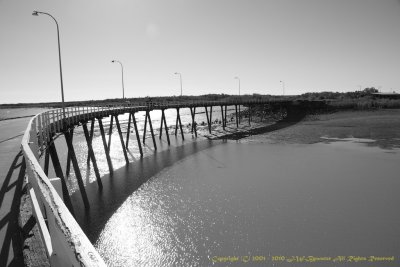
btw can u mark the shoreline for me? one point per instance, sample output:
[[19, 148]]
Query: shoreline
[[382, 126]]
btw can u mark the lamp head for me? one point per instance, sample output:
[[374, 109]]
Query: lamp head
[[176, 72], [112, 61], [35, 13]]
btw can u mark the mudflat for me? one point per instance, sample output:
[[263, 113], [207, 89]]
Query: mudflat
[[382, 126]]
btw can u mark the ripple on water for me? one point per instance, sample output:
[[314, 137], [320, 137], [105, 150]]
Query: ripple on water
[[242, 199], [149, 227]]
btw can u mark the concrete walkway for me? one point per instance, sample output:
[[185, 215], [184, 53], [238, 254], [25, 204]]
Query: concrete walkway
[[12, 171]]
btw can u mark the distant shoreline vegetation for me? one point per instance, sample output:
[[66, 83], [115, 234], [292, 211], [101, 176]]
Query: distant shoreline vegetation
[[369, 98]]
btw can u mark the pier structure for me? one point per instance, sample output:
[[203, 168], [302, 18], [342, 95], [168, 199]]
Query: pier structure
[[64, 241]]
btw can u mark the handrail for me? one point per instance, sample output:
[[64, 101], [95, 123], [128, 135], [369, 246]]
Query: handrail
[[65, 242]]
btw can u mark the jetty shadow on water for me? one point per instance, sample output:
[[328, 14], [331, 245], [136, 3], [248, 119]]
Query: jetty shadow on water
[[125, 181]]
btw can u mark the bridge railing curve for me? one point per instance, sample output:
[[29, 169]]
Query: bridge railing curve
[[64, 241]]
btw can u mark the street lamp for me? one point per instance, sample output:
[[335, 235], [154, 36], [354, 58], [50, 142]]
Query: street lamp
[[283, 87], [239, 83], [180, 76], [36, 13], [122, 70]]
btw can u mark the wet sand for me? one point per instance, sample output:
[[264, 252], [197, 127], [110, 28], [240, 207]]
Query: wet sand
[[383, 126]]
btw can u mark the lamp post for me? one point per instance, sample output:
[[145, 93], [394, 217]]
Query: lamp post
[[239, 83], [122, 70], [283, 87], [180, 76], [36, 13]]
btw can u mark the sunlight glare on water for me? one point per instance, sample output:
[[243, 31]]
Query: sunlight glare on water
[[253, 199], [145, 227]]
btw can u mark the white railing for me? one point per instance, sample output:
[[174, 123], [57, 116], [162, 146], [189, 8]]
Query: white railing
[[65, 242]]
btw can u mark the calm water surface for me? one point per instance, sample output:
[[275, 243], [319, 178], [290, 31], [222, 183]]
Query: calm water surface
[[195, 204], [252, 199]]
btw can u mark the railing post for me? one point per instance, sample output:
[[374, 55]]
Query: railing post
[[40, 131], [33, 140], [54, 121]]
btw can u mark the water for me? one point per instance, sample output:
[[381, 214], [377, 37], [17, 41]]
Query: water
[[250, 199], [247, 203]]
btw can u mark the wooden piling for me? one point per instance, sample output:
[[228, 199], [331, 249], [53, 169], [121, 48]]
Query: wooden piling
[[145, 128], [75, 165], [122, 139], [193, 113], [128, 131], [180, 123], [208, 120], [237, 117], [211, 113], [166, 128], [92, 156], [226, 107], [68, 168], [60, 174], [249, 114], [162, 121], [110, 133], [151, 130], [103, 137], [176, 123], [137, 134], [222, 117], [240, 115], [91, 139]]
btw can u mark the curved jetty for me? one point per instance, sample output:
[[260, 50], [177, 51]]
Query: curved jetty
[[64, 241]]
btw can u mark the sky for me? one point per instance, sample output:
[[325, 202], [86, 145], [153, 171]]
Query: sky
[[310, 45]]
